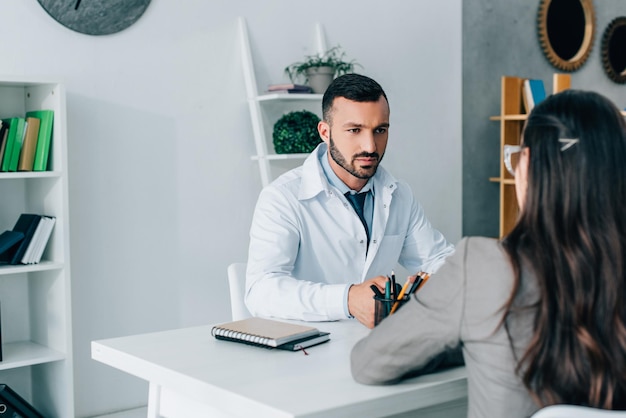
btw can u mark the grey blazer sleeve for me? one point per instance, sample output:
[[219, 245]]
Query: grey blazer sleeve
[[427, 326]]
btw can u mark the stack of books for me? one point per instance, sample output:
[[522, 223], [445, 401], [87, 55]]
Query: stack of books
[[289, 88], [27, 241], [25, 141]]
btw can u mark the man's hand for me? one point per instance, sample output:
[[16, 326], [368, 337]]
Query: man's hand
[[361, 300]]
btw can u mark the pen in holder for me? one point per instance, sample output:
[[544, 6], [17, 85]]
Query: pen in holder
[[383, 307]]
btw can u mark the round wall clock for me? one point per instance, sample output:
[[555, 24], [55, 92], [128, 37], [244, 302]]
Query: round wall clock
[[95, 17]]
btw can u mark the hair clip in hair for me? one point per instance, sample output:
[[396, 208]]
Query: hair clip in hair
[[568, 142]]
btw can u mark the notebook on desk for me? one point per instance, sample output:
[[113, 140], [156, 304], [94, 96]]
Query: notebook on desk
[[270, 333]]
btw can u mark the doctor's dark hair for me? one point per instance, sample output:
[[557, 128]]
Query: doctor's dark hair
[[571, 238], [355, 87]]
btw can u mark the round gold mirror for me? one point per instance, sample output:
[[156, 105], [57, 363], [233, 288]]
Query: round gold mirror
[[566, 30], [613, 51]]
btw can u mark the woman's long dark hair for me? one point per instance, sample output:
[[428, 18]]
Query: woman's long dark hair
[[571, 238]]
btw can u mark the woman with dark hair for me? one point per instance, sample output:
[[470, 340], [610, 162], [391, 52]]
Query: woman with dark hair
[[540, 316]]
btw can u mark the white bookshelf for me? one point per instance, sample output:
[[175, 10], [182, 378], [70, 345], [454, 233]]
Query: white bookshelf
[[35, 300], [267, 108]]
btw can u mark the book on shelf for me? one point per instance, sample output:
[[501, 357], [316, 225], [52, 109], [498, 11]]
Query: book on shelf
[[37, 245], [13, 405], [9, 239], [43, 242], [46, 118], [33, 241], [27, 155], [14, 143], [270, 333], [7, 146], [289, 88], [533, 92], [26, 224], [3, 139], [290, 92]]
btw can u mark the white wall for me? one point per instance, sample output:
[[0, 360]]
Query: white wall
[[162, 188]]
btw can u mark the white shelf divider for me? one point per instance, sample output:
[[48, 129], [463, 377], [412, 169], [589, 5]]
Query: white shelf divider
[[255, 108], [27, 353]]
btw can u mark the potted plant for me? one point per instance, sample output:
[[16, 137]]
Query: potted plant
[[296, 132], [320, 70]]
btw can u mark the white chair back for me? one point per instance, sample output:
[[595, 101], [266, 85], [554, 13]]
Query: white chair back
[[573, 411], [237, 286]]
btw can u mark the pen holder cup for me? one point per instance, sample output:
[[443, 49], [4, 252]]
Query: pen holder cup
[[383, 307]]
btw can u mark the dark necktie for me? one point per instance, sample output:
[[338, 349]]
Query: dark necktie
[[358, 202]]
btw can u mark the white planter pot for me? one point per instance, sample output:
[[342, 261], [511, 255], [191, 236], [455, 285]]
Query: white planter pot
[[320, 78]]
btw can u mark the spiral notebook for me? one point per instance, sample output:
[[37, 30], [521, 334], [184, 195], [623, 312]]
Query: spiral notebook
[[270, 333]]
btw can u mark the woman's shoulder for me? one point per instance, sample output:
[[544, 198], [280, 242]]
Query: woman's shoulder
[[485, 262], [480, 246]]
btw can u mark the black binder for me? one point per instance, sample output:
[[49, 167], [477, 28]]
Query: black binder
[[14, 406], [26, 224], [10, 239]]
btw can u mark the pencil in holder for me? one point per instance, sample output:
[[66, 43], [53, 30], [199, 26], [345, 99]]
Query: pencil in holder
[[383, 307]]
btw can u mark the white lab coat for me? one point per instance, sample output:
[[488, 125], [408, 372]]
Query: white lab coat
[[307, 244]]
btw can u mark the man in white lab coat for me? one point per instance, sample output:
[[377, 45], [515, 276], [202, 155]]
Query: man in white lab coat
[[313, 254]]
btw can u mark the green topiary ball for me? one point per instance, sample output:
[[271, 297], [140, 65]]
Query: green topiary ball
[[296, 132]]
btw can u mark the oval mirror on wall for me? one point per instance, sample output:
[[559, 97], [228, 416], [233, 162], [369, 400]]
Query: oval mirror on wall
[[614, 50], [566, 30]]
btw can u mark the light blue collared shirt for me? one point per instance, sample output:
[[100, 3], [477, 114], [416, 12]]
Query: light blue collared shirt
[[368, 207]]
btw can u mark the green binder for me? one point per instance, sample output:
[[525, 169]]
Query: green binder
[[14, 143], [8, 146], [45, 137]]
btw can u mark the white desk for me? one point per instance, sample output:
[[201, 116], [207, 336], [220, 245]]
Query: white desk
[[192, 374]]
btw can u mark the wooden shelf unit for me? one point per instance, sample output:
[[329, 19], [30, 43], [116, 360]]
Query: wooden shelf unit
[[512, 118]]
